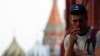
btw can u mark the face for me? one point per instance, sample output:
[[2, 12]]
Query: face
[[79, 22]]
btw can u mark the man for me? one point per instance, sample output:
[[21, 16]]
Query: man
[[75, 43]]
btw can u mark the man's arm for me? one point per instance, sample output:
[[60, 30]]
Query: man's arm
[[69, 50]]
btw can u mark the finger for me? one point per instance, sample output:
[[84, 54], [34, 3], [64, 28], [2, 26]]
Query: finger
[[73, 34], [74, 38], [74, 31]]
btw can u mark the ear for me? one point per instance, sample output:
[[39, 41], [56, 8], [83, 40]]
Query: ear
[[85, 2]]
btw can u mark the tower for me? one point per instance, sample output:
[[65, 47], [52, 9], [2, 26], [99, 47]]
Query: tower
[[14, 50], [55, 30]]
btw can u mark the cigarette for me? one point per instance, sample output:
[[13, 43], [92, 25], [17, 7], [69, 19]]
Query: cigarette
[[78, 28]]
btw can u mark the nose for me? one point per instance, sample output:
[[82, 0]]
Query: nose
[[77, 23]]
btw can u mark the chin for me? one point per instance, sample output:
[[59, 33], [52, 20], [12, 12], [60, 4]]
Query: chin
[[78, 32]]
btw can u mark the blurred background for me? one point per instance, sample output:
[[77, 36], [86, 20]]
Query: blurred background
[[30, 27]]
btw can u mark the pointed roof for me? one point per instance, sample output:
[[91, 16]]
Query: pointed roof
[[54, 20], [14, 50]]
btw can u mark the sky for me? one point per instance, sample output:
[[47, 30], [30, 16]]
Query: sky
[[25, 20]]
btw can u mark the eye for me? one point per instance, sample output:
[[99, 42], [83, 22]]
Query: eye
[[74, 20], [81, 19]]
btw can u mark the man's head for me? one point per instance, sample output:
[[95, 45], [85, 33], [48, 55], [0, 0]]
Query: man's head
[[79, 17]]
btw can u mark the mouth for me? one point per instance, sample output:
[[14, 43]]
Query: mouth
[[78, 28]]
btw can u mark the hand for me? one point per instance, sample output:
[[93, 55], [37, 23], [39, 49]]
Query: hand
[[73, 37], [72, 40]]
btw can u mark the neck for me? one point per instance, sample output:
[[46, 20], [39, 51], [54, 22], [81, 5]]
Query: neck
[[84, 31]]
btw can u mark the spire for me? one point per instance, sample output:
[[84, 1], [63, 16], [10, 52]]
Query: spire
[[14, 50], [54, 20], [14, 28], [54, 17], [14, 34], [54, 30], [54, 1]]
